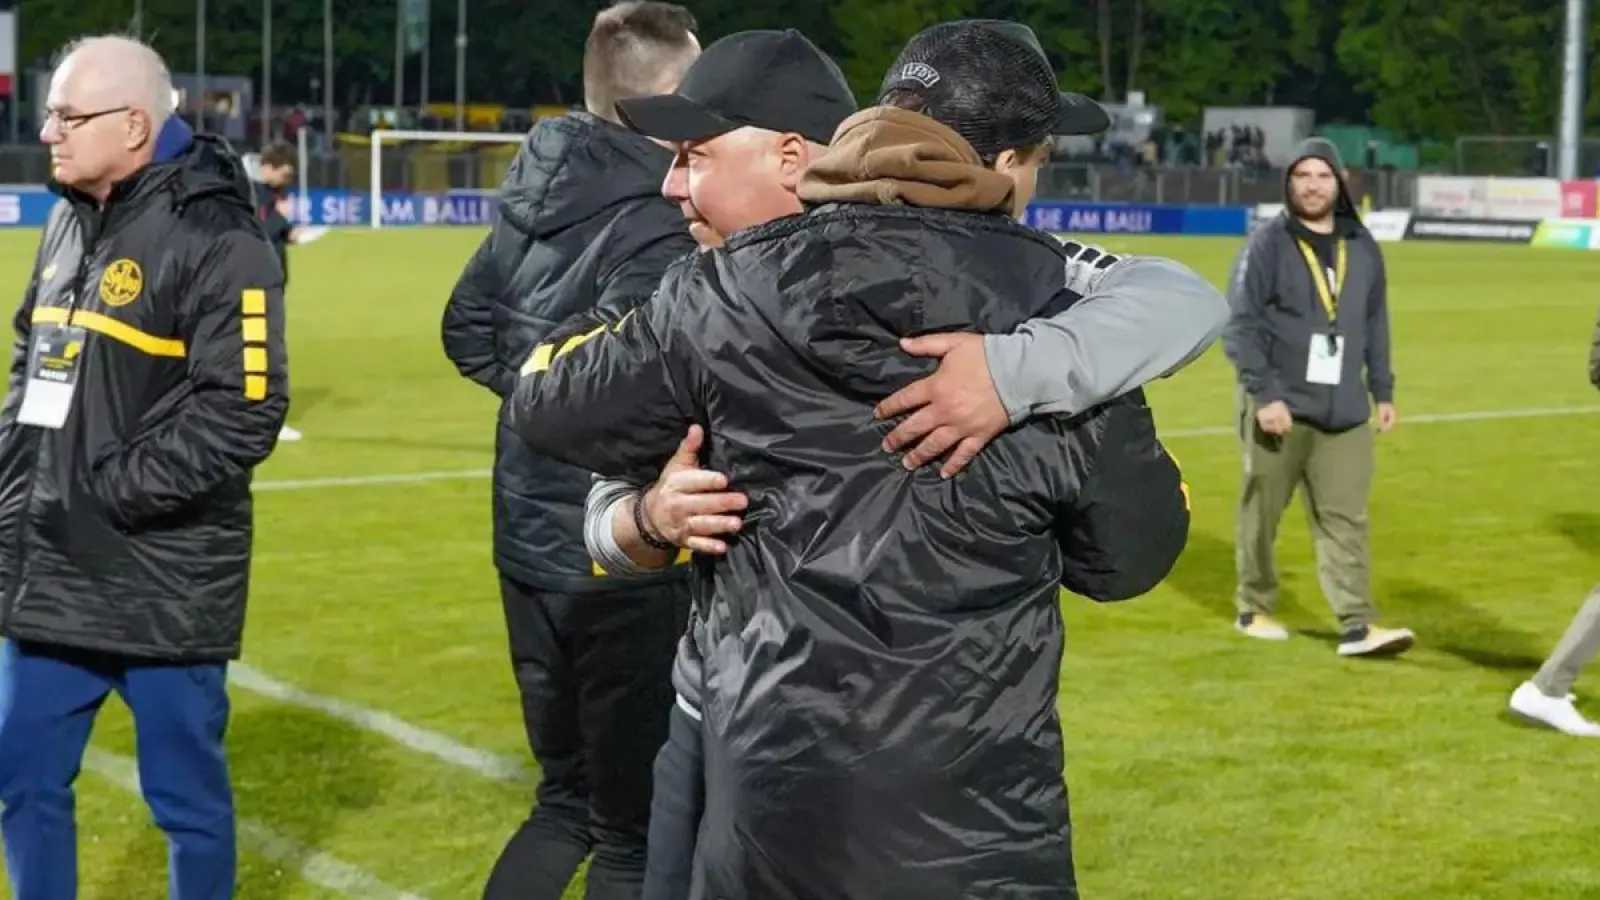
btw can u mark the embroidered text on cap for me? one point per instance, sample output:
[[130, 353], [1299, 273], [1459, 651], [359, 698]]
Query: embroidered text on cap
[[922, 73]]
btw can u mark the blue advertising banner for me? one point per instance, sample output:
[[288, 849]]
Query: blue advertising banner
[[336, 208], [25, 207], [1132, 218], [28, 207]]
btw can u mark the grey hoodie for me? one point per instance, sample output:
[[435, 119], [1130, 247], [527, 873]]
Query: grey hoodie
[[1276, 313]]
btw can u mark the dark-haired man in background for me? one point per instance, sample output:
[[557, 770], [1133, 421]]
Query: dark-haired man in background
[[582, 225], [275, 165]]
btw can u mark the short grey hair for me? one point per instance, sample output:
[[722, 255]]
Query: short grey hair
[[138, 71]]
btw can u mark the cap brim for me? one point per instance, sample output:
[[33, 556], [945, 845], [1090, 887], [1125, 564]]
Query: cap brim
[[669, 117], [1080, 115]]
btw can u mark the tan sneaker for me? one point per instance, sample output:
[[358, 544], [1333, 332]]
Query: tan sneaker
[[1372, 640], [1260, 626]]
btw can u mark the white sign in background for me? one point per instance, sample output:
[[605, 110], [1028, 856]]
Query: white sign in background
[[1511, 199], [1525, 199], [1452, 197]]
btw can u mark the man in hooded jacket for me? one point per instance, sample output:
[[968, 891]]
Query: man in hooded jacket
[[882, 644], [1310, 316], [582, 225], [148, 379]]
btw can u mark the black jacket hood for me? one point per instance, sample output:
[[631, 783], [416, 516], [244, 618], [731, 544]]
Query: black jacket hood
[[210, 168], [1344, 206], [576, 165]]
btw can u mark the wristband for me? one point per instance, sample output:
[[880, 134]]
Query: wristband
[[644, 532]]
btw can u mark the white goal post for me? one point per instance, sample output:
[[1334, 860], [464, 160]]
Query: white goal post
[[394, 137]]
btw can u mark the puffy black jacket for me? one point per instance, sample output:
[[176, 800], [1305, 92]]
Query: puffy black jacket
[[882, 647], [129, 528], [582, 224]]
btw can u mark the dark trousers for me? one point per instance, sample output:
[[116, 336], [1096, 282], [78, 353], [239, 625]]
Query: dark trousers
[[680, 797], [48, 701], [594, 671]]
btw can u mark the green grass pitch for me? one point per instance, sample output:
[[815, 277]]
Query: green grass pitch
[[1201, 764]]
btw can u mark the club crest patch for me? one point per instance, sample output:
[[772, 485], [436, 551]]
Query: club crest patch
[[121, 283]]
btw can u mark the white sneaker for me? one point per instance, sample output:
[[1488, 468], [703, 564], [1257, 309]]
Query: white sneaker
[[289, 434], [1559, 713]]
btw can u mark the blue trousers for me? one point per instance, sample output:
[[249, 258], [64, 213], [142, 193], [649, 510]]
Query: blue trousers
[[49, 697]]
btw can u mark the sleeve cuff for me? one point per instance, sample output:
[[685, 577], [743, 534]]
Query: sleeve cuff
[[607, 497], [1004, 354], [1267, 394]]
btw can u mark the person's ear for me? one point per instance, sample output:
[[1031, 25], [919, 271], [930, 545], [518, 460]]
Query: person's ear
[[139, 131], [793, 158], [1007, 162]]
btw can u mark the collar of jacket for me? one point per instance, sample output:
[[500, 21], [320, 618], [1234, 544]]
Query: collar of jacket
[[885, 155]]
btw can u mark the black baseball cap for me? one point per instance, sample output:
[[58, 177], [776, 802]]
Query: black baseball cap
[[775, 80], [990, 80]]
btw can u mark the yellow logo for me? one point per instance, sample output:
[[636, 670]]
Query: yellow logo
[[121, 283]]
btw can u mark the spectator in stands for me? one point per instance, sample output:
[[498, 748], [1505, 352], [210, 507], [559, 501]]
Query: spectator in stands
[[582, 226], [1547, 697], [125, 516], [941, 665], [1310, 314]]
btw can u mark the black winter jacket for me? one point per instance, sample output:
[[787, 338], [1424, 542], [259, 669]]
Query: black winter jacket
[[128, 529], [881, 646], [582, 224]]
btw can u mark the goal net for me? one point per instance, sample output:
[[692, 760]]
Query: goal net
[[441, 145]]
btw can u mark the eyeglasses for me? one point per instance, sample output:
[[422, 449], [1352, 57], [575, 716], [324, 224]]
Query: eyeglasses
[[67, 124]]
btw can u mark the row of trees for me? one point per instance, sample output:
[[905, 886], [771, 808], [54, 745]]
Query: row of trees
[[1424, 68]]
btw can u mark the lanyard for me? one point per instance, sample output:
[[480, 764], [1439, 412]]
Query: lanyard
[[1328, 292]]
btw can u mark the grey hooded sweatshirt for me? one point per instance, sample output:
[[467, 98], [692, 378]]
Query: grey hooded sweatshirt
[[1276, 311]]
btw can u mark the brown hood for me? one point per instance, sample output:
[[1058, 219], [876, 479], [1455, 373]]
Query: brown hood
[[885, 155]]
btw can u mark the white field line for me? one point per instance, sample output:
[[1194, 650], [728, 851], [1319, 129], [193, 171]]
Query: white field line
[[315, 867], [1484, 415], [412, 737]]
